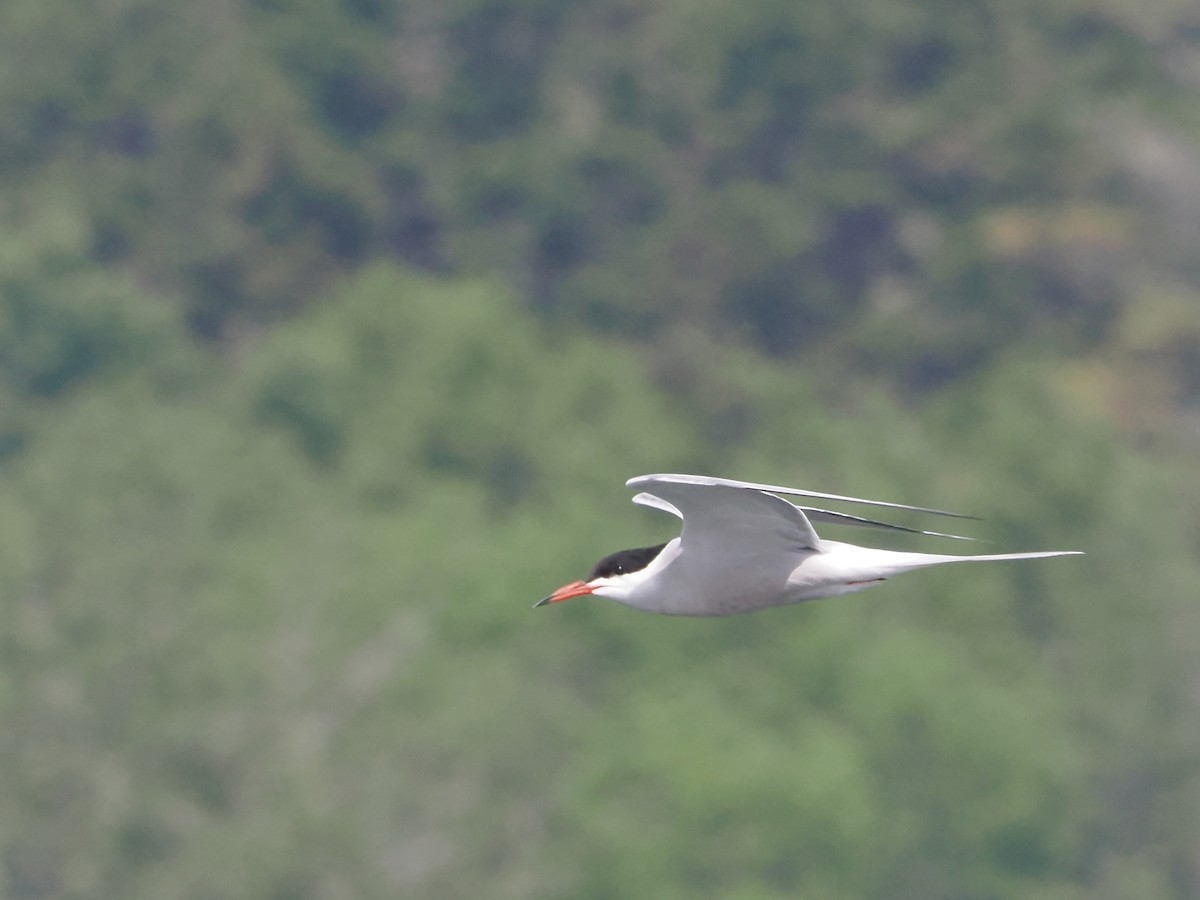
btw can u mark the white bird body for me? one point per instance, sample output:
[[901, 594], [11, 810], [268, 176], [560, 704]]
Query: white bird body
[[743, 548]]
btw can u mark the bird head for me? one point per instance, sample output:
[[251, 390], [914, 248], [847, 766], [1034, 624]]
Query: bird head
[[613, 577]]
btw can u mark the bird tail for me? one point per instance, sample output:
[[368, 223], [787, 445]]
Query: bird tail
[[906, 562]]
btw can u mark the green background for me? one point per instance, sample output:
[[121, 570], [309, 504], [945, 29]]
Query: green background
[[331, 329]]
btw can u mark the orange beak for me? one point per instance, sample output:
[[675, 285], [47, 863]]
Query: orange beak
[[566, 592]]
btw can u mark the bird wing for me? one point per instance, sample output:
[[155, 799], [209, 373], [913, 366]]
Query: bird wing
[[737, 551], [828, 517], [654, 483], [646, 499], [813, 514], [726, 518]]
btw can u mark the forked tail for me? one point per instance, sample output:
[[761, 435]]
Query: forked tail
[[905, 562]]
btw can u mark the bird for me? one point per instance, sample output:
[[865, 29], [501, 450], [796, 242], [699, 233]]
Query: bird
[[745, 548]]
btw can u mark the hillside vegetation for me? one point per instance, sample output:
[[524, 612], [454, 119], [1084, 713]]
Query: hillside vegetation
[[331, 329]]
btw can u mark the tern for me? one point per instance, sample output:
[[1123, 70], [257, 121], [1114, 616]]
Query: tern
[[744, 548]]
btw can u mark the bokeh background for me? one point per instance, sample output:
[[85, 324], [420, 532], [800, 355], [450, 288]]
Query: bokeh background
[[331, 329]]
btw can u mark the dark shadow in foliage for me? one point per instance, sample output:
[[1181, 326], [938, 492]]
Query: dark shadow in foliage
[[217, 292], [440, 454], [510, 476], [777, 306], [288, 203], [623, 98], [411, 226], [855, 248], [1184, 357], [501, 49], [13, 441], [1022, 847], [32, 869], [770, 66], [143, 841], [110, 240], [771, 146], [561, 244], [492, 200], [936, 364], [131, 134], [355, 104], [922, 64], [936, 183], [196, 773], [379, 13], [620, 190], [1081, 302], [48, 346], [344, 224], [301, 402], [787, 303], [1120, 57], [36, 134], [214, 139]]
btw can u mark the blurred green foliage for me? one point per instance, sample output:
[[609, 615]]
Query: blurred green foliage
[[330, 329]]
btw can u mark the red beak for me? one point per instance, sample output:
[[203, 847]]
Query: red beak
[[566, 592]]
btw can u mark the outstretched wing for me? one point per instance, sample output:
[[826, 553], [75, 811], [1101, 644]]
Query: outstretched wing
[[654, 483], [723, 519], [821, 516], [737, 550]]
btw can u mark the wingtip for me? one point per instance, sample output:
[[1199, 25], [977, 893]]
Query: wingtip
[[638, 480]]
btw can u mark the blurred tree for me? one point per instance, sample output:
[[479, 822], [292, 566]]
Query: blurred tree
[[789, 174], [266, 618], [258, 630]]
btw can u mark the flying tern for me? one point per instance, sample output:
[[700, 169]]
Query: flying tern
[[745, 548]]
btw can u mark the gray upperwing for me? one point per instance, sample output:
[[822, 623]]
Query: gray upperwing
[[650, 483], [725, 519]]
